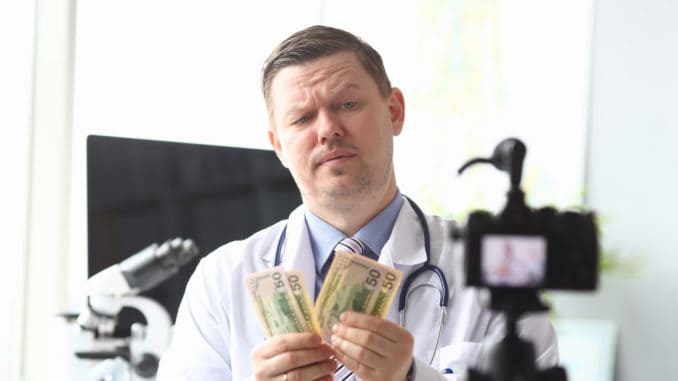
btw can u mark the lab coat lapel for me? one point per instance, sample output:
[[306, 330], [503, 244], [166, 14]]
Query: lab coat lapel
[[297, 252], [405, 246]]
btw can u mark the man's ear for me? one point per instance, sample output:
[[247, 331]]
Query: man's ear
[[275, 143], [396, 108]]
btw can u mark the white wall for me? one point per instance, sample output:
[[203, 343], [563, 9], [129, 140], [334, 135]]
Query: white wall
[[48, 203], [633, 181], [17, 27]]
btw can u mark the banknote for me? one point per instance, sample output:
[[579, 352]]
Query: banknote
[[355, 283], [297, 284], [275, 302]]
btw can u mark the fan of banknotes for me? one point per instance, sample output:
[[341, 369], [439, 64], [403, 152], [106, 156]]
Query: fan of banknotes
[[353, 283]]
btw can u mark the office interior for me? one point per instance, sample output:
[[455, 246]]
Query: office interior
[[589, 85]]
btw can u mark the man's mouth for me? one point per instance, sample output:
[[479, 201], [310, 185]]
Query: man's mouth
[[334, 157]]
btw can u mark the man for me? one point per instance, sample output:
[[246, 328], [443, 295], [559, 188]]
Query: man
[[333, 117]]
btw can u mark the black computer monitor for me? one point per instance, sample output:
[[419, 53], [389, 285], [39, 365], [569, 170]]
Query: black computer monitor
[[145, 191]]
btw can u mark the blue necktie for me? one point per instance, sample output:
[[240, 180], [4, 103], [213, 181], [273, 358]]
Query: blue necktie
[[350, 245]]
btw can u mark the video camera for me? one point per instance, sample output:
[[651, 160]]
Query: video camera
[[520, 251]]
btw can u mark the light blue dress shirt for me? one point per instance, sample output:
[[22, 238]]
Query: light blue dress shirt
[[324, 237]]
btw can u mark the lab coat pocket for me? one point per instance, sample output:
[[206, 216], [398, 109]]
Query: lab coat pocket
[[459, 356]]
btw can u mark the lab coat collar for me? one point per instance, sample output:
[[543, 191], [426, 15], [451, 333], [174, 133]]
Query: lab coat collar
[[405, 246], [296, 251]]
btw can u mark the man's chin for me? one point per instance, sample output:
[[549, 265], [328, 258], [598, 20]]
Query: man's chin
[[336, 194]]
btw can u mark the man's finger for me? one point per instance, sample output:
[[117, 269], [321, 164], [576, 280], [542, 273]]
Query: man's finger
[[386, 328], [357, 352], [354, 365], [287, 342], [365, 338], [282, 363], [314, 371]]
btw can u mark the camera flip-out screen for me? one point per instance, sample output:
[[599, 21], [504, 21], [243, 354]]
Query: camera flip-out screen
[[513, 260]]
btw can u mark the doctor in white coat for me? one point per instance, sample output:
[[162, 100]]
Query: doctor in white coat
[[333, 117]]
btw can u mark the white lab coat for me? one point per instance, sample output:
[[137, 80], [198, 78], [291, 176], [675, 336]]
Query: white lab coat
[[217, 326]]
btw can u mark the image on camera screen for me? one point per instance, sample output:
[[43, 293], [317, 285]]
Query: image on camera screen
[[513, 260]]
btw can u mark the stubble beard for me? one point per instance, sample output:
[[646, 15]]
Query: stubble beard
[[354, 194], [364, 189]]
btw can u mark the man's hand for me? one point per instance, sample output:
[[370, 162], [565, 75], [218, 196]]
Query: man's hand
[[293, 357], [375, 349]]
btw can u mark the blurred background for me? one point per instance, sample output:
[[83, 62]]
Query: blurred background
[[590, 86]]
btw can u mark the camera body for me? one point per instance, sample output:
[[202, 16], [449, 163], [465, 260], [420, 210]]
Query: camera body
[[518, 252], [526, 249], [532, 249]]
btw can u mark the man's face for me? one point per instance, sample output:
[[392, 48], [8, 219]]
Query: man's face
[[334, 130]]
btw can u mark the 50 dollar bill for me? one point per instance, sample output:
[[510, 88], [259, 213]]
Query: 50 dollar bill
[[355, 283], [275, 302], [297, 284]]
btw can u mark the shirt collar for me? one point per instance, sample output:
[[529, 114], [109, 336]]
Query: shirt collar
[[374, 234]]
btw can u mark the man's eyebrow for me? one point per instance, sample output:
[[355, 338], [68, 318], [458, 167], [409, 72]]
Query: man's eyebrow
[[299, 108], [294, 111], [348, 86]]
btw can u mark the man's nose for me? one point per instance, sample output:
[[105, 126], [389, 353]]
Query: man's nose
[[329, 126]]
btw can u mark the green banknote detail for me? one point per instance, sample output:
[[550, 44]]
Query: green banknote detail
[[280, 315], [379, 304], [275, 303], [295, 279], [351, 282]]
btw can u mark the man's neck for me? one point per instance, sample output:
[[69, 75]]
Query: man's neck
[[349, 217]]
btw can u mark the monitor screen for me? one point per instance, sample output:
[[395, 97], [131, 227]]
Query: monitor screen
[[141, 192]]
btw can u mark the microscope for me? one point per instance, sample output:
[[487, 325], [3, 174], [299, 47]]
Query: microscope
[[118, 287]]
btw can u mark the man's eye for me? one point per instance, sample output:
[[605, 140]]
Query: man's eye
[[348, 105], [303, 119]]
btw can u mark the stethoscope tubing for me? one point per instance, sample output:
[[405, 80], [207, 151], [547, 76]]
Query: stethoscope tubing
[[402, 301], [426, 266]]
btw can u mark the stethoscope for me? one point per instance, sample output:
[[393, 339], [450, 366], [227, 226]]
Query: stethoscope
[[405, 291]]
